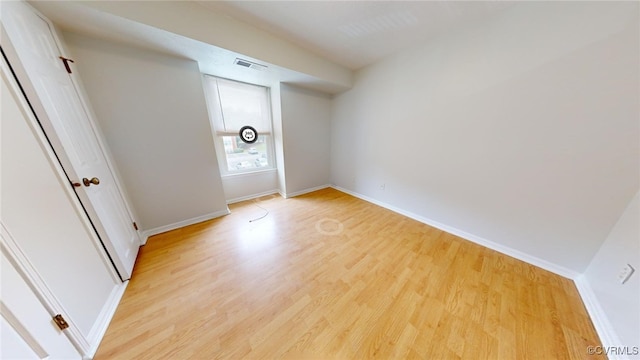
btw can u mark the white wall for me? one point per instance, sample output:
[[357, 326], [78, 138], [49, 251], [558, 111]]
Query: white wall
[[522, 131], [619, 303], [152, 112], [241, 187], [278, 136], [306, 121]]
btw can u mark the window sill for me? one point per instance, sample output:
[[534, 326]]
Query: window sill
[[248, 173]]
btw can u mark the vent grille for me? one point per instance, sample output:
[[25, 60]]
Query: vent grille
[[249, 64]]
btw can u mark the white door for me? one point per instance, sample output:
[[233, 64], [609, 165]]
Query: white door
[[27, 328], [44, 230], [81, 155]]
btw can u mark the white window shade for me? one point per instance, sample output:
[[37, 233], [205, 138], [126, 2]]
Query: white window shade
[[233, 105]]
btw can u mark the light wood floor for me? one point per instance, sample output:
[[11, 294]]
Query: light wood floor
[[329, 276]]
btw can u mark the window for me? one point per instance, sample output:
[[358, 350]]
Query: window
[[233, 105]]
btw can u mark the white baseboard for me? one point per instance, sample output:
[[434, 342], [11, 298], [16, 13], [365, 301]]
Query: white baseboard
[[605, 330], [305, 191], [104, 319], [276, 191], [147, 233], [252, 196], [554, 268]]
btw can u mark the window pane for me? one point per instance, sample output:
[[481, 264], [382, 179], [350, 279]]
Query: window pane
[[246, 157], [231, 106]]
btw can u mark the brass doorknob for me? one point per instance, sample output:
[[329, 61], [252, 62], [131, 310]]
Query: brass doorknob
[[94, 181]]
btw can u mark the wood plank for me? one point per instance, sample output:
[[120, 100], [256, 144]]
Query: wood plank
[[384, 287]]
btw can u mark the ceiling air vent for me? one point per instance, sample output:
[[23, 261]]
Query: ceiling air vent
[[249, 64]]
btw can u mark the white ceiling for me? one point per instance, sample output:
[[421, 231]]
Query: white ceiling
[[352, 34], [357, 33]]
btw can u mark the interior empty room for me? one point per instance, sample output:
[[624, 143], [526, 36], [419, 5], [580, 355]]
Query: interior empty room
[[320, 180]]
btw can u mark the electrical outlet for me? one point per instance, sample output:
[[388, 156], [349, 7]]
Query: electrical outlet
[[626, 273], [383, 186]]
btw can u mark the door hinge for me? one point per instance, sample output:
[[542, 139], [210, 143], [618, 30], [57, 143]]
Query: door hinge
[[61, 322], [135, 226], [66, 62]]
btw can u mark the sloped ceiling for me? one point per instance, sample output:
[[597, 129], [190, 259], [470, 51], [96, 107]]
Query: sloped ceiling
[[188, 30]]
